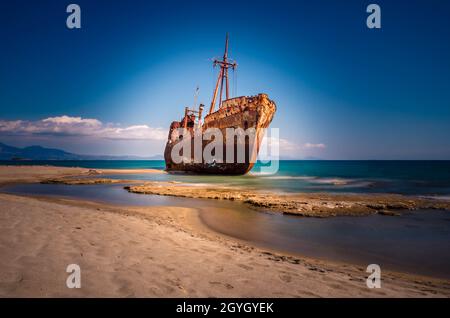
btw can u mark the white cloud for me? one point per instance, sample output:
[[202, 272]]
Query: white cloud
[[282, 144], [77, 126], [272, 148], [317, 146], [72, 120], [287, 148]]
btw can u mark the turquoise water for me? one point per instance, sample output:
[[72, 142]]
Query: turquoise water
[[405, 177]]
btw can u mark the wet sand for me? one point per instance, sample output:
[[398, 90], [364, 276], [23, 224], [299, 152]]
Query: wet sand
[[159, 252], [26, 174]]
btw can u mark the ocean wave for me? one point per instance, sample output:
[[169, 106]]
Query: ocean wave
[[316, 182], [362, 184], [333, 181], [313, 179], [260, 174], [437, 197], [290, 178]]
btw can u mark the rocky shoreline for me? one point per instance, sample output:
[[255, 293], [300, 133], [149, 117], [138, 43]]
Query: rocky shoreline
[[301, 204]]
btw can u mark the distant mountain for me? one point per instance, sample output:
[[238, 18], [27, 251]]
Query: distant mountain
[[41, 153], [155, 157], [34, 153], [312, 158], [287, 157]]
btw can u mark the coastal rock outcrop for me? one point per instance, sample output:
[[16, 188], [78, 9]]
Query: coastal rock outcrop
[[301, 204]]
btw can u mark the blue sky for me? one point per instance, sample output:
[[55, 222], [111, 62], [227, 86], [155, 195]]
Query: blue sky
[[343, 91]]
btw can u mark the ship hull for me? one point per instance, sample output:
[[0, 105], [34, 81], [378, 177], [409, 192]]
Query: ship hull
[[230, 169], [248, 113]]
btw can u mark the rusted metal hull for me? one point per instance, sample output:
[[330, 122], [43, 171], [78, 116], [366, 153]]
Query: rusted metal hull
[[230, 169], [254, 112]]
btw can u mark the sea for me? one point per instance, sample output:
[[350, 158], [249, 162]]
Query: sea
[[426, 178]]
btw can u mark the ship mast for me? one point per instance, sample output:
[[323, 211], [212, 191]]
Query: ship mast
[[224, 64]]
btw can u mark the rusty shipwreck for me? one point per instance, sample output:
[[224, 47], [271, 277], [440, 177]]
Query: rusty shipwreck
[[247, 113]]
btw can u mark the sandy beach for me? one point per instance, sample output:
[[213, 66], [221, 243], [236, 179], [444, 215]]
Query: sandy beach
[[157, 252]]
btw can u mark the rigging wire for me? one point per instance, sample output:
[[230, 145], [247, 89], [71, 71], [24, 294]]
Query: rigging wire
[[212, 78], [235, 82]]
